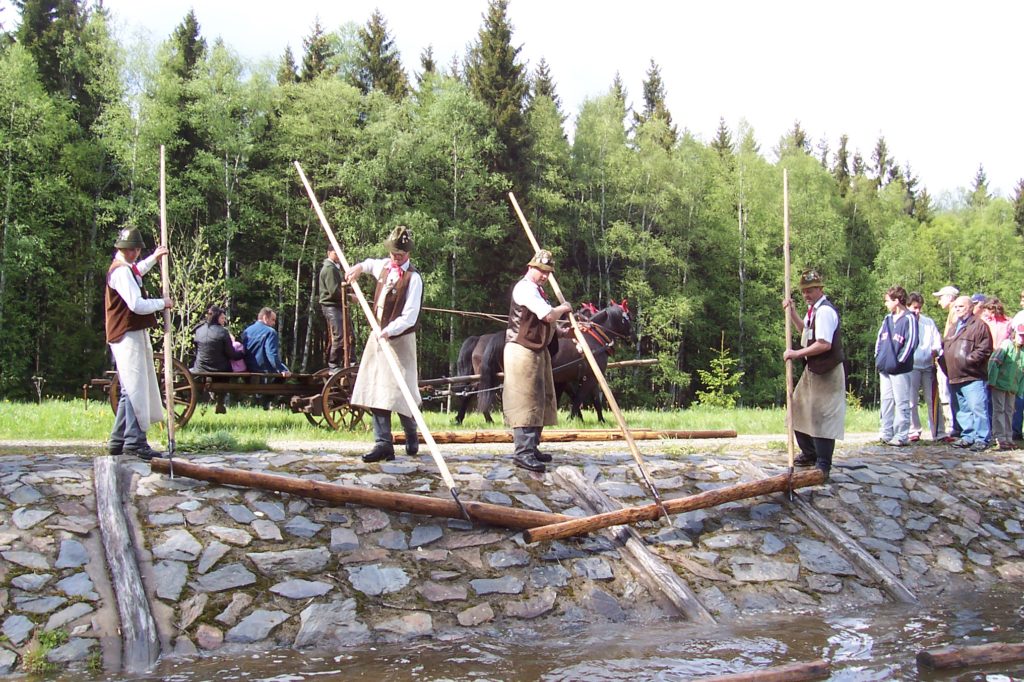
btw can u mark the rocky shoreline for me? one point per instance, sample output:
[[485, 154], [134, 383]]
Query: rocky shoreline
[[230, 571]]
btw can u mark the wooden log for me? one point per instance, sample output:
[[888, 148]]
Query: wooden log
[[140, 640], [492, 514], [710, 498], [967, 656], [793, 672], [650, 569], [847, 546], [568, 435]]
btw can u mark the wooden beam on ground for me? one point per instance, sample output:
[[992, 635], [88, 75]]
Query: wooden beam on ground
[[968, 656], [659, 578], [793, 672], [568, 435], [139, 638], [492, 514], [847, 546], [710, 498]]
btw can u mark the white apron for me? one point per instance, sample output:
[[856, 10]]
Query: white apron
[[136, 374], [819, 403], [528, 398], [375, 383]]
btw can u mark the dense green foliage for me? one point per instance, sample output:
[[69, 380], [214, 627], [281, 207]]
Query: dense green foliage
[[633, 206]]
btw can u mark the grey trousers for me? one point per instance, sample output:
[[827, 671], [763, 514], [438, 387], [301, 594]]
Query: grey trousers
[[382, 429], [126, 432], [526, 440]]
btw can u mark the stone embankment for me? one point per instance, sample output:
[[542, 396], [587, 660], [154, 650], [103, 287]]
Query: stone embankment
[[229, 571]]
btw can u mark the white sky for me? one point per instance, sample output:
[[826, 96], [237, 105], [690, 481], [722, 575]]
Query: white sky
[[935, 78]]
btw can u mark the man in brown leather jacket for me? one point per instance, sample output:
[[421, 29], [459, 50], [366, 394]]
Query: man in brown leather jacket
[[965, 352]]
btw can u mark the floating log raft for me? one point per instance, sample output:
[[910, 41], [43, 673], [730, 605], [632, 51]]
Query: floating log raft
[[568, 435], [482, 512], [793, 672], [710, 498], [967, 656]]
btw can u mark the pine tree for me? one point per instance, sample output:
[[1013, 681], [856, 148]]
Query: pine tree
[[619, 90], [378, 65], [1018, 206], [923, 209], [655, 107], [286, 70], [882, 164], [979, 196], [841, 168], [858, 164], [498, 79], [427, 64], [317, 54], [189, 47], [723, 139], [47, 26], [910, 182], [543, 84], [797, 139]]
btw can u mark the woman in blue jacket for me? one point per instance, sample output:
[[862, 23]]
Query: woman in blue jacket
[[894, 359]]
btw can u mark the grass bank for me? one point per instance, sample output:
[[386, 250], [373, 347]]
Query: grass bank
[[250, 428]]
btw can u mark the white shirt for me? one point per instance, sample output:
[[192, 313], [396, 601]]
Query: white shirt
[[526, 293], [929, 342], [825, 321], [124, 282], [414, 294]]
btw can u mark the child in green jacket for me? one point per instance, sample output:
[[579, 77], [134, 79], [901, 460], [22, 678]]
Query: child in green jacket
[[1006, 379]]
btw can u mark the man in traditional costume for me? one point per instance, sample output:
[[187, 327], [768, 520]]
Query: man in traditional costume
[[819, 400], [528, 398], [396, 305], [129, 315]]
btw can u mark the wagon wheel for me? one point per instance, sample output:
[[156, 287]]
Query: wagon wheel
[[185, 394], [318, 419], [335, 397]]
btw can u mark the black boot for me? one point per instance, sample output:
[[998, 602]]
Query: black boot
[[382, 452], [528, 462], [412, 444], [805, 460], [541, 456]]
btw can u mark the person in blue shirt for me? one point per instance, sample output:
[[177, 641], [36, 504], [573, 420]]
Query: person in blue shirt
[[262, 345]]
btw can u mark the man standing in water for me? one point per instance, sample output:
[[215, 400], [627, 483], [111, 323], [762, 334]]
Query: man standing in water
[[129, 315], [528, 398], [819, 400]]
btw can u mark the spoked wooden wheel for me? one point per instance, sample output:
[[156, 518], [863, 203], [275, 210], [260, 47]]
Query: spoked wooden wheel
[[337, 410], [185, 394], [315, 416]]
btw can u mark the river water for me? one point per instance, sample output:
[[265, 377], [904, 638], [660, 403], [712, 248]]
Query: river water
[[876, 644]]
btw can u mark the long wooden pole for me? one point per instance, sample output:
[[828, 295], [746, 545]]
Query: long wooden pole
[[165, 271], [598, 374], [569, 435], [792, 672], [790, 448], [386, 349], [336, 493], [710, 498]]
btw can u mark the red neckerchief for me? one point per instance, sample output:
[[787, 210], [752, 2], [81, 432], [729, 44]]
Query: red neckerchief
[[542, 293], [393, 266], [810, 315], [135, 270]]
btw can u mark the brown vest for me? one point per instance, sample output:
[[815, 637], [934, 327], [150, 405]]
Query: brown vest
[[825, 362], [394, 298], [120, 319], [527, 329]]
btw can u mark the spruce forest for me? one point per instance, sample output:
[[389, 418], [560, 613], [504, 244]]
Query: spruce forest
[[633, 204]]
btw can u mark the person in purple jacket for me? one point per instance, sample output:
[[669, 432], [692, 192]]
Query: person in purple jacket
[[894, 359]]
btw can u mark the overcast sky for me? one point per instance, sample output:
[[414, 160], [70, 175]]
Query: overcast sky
[[935, 78]]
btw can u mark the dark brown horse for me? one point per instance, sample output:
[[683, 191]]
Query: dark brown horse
[[484, 354], [573, 374]]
